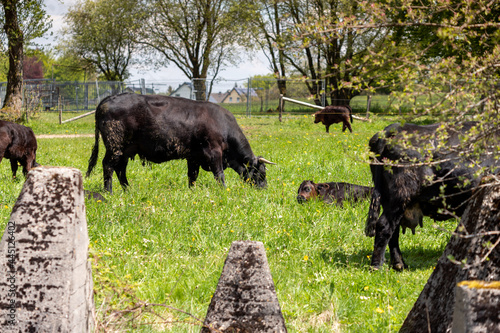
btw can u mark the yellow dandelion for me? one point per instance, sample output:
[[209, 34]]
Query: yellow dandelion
[[232, 230], [366, 288], [379, 310], [228, 189], [6, 207], [390, 307], [306, 258]]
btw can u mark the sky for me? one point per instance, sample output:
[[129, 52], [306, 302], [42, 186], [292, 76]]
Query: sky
[[56, 9]]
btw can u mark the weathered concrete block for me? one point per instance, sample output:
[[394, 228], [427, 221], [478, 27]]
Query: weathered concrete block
[[45, 275], [245, 299], [477, 307]]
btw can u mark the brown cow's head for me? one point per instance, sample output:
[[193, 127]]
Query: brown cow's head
[[307, 190], [318, 117]]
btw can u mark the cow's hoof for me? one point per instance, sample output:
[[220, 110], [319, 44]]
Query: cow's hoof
[[370, 230], [400, 267]]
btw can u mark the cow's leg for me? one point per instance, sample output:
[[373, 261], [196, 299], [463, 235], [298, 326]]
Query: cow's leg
[[349, 126], [108, 163], [121, 172], [327, 128], [346, 124], [397, 261], [13, 167], [214, 155], [373, 214], [383, 234], [193, 170]]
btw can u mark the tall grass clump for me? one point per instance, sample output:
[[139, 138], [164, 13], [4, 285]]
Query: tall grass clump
[[158, 249]]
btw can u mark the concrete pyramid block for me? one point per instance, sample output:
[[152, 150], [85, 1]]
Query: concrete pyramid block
[[46, 278], [476, 307], [245, 299]]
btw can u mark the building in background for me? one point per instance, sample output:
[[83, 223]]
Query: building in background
[[238, 95], [184, 90]]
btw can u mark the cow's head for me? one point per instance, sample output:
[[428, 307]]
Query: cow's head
[[318, 117], [255, 172], [307, 190]]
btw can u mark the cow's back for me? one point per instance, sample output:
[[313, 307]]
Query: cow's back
[[17, 135], [149, 123]]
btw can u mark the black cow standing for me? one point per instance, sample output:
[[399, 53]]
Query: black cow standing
[[426, 179], [18, 144], [332, 192], [160, 128], [333, 114]]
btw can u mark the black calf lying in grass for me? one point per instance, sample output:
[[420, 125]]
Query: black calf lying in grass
[[333, 191]]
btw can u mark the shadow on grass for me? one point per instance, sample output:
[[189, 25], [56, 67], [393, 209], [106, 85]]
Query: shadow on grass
[[418, 258]]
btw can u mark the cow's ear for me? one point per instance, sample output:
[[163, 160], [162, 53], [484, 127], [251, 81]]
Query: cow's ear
[[322, 187]]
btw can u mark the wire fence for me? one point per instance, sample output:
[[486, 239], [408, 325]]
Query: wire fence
[[248, 96], [245, 96]]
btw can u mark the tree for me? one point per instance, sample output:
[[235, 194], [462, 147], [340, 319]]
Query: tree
[[473, 250], [310, 47], [198, 36], [101, 33], [32, 68], [22, 22], [270, 36]]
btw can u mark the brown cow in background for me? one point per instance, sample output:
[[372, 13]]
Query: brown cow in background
[[333, 114], [18, 143]]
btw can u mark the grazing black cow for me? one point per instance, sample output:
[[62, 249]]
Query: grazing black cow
[[333, 191], [333, 114], [428, 177], [18, 143], [160, 128]]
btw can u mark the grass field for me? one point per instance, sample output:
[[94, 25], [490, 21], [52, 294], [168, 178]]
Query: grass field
[[161, 242]]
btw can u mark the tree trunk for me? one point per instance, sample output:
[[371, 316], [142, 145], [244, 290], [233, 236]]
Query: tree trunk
[[11, 109], [200, 89], [476, 257]]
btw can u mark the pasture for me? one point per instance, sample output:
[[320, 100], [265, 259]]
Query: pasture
[[161, 242]]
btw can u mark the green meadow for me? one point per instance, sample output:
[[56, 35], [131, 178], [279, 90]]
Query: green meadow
[[163, 243]]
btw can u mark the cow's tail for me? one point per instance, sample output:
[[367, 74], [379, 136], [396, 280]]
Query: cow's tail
[[374, 212], [350, 112], [95, 152]]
